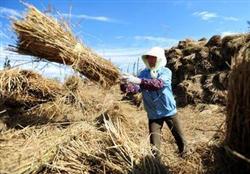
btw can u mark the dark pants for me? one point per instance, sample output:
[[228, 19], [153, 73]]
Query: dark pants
[[173, 123]]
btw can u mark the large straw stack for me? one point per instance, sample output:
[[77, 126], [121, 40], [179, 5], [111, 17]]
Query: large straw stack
[[238, 117], [44, 37]]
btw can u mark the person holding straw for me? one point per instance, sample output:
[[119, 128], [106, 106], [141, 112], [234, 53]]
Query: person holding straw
[[155, 84]]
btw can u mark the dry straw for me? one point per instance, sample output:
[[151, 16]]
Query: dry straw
[[38, 100], [110, 151], [43, 36], [25, 87], [238, 108], [30, 149], [79, 148], [80, 101]]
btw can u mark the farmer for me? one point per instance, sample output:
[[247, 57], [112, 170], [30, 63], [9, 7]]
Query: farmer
[[155, 84]]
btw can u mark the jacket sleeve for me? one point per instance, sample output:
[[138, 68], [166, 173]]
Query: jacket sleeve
[[166, 77], [151, 84]]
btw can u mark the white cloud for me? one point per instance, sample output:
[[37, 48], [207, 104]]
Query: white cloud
[[124, 58], [127, 58], [230, 18], [119, 37], [121, 55], [155, 39], [88, 17], [3, 35], [121, 51], [226, 33], [205, 15], [9, 13]]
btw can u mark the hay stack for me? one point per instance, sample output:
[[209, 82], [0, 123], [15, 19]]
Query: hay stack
[[214, 41], [44, 37], [238, 116], [232, 44], [210, 59], [215, 88], [76, 100], [189, 91], [26, 88]]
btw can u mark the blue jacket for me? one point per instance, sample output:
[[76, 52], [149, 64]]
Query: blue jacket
[[160, 103]]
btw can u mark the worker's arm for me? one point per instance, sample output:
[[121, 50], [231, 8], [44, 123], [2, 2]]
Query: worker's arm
[[134, 84], [151, 84], [130, 88], [146, 84]]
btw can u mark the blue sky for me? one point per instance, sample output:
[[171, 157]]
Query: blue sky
[[122, 30]]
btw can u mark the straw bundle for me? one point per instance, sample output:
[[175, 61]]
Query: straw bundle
[[43, 36], [24, 87], [238, 108]]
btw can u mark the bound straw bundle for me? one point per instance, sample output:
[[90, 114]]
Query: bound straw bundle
[[43, 36], [238, 116], [23, 87]]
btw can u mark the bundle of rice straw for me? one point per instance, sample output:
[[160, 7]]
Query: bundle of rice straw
[[42, 36], [238, 116], [25, 87]]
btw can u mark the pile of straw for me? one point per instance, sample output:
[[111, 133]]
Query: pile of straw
[[83, 147], [209, 59], [80, 147], [111, 151], [80, 101], [38, 101], [238, 113], [26, 88], [42, 36], [29, 150]]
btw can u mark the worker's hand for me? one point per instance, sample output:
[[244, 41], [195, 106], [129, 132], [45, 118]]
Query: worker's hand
[[128, 78]]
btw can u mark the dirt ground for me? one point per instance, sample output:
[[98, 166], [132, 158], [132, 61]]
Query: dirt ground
[[200, 122]]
